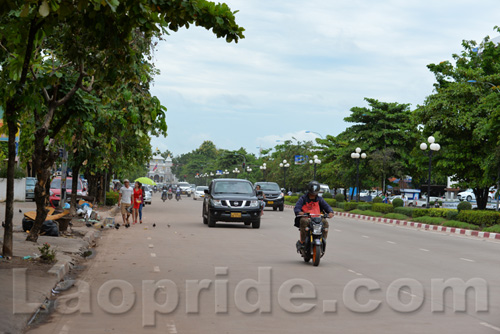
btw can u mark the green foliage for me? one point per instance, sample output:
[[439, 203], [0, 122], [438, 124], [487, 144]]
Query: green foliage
[[398, 203], [377, 199], [367, 213], [398, 216], [47, 254], [383, 208], [339, 198], [111, 198], [341, 205], [291, 199], [338, 209], [327, 195], [451, 214], [429, 220], [348, 206], [459, 224], [420, 213], [464, 205], [364, 207], [493, 229], [438, 212], [407, 211], [19, 173], [331, 201], [479, 217]]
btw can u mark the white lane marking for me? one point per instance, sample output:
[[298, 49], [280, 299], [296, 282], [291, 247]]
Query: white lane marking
[[153, 255], [485, 324], [64, 330], [424, 250], [351, 271], [149, 238], [151, 246], [359, 274], [337, 230], [156, 269], [468, 260], [391, 242], [365, 236]]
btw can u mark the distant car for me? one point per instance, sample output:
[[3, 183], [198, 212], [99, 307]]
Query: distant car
[[193, 188], [199, 192], [231, 200], [469, 195], [55, 189], [185, 188], [30, 187], [364, 193], [323, 188], [148, 192], [273, 195]]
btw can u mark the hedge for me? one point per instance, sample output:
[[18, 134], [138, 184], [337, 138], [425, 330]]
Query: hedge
[[420, 213], [494, 229], [339, 198], [429, 220], [327, 195], [292, 199], [396, 216], [111, 198], [407, 211], [480, 218], [381, 207], [464, 206], [348, 206], [364, 207], [437, 212], [367, 213], [331, 202], [452, 214], [377, 199], [454, 223], [397, 203], [341, 205]]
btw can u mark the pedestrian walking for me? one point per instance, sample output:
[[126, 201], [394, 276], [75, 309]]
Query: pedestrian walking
[[125, 201], [142, 204], [138, 197], [403, 197]]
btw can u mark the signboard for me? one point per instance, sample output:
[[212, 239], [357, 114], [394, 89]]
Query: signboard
[[301, 159], [4, 136]]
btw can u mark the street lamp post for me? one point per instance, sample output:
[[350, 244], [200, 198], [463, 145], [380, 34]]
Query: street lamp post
[[356, 155], [236, 171], [263, 169], [225, 172], [433, 147], [284, 165], [315, 161]]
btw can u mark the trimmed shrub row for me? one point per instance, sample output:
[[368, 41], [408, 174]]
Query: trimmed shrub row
[[364, 207], [454, 223], [407, 211], [367, 213], [398, 203], [481, 218], [382, 207], [429, 220]]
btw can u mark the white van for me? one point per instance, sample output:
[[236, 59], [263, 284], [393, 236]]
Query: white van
[[323, 188]]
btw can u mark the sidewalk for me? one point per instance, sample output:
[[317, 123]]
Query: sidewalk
[[40, 278]]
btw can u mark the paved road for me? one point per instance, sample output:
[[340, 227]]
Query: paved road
[[235, 279]]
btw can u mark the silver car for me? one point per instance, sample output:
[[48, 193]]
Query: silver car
[[147, 195]]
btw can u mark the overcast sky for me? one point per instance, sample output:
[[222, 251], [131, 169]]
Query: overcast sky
[[304, 64]]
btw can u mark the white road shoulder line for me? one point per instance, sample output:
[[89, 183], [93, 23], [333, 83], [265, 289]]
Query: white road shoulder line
[[485, 324], [468, 260]]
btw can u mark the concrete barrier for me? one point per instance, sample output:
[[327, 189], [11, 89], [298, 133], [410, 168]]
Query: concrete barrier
[[19, 190]]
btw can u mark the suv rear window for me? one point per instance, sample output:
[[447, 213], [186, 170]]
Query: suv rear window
[[233, 187], [269, 186], [56, 184]]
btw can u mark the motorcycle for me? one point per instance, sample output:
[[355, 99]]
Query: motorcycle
[[164, 195], [170, 195], [178, 196], [315, 245]]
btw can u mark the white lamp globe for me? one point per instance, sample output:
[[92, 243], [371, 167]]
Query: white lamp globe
[[353, 155], [363, 155], [423, 146], [431, 139], [358, 150], [315, 157], [284, 161], [310, 161], [281, 164]]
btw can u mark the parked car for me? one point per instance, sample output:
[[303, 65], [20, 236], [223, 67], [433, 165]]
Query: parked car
[[323, 188], [30, 188], [273, 195], [231, 200], [199, 192], [193, 188], [55, 189], [469, 195]]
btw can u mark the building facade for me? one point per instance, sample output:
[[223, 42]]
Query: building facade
[[160, 170]]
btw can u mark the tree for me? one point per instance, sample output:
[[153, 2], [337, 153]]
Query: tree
[[50, 51], [463, 116]]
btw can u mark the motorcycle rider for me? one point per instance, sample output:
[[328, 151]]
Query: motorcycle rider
[[313, 204], [178, 192]]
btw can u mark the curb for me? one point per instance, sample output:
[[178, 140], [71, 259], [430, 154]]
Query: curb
[[63, 264], [438, 228]]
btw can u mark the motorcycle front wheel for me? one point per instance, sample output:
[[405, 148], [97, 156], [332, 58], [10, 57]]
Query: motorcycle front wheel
[[316, 255]]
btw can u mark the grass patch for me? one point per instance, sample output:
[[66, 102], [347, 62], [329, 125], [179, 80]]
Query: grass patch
[[367, 213], [398, 216], [338, 209], [456, 223], [429, 220], [289, 203], [493, 229]]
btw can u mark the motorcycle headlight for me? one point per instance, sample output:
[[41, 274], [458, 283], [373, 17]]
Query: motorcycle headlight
[[317, 229], [254, 204], [216, 202]]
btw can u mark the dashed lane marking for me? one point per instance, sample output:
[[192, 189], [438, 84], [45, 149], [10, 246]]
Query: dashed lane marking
[[172, 329], [468, 260], [337, 230], [424, 250], [156, 269], [149, 238], [365, 236], [391, 242], [151, 246], [153, 254]]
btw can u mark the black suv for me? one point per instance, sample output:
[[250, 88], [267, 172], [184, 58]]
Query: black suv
[[231, 200], [274, 197]]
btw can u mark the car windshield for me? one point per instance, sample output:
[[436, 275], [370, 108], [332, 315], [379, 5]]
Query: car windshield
[[184, 185], [201, 188], [56, 184], [30, 182], [233, 187], [269, 187]]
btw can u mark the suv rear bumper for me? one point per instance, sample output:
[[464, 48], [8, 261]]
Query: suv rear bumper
[[276, 203], [225, 215]]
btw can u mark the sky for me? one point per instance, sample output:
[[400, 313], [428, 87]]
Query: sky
[[303, 65]]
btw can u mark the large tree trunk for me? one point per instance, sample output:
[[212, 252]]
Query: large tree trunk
[[43, 159], [7, 248], [74, 188], [481, 197]]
